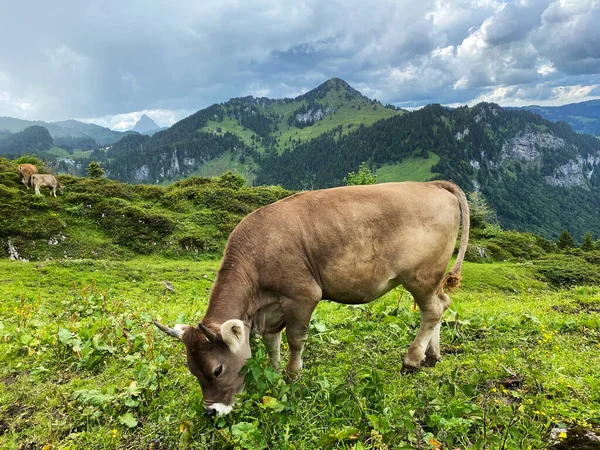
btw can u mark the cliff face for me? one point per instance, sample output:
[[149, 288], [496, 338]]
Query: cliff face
[[531, 146]]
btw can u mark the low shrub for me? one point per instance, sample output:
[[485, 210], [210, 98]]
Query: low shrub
[[131, 226], [563, 270]]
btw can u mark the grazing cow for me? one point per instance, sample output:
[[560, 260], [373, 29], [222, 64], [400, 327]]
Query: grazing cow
[[25, 172], [349, 245], [40, 180]]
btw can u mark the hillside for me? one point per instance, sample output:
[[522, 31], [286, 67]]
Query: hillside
[[100, 218], [34, 139], [236, 133], [583, 117], [537, 175], [65, 129]]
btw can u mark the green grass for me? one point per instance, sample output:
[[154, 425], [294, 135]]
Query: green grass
[[583, 119], [411, 169], [62, 153], [82, 366], [59, 152], [231, 125], [347, 113], [218, 166]]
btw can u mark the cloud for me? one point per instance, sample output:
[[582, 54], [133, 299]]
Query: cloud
[[114, 60]]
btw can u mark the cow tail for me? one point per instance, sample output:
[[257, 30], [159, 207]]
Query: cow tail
[[452, 279]]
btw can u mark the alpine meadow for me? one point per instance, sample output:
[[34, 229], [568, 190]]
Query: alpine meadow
[[138, 236]]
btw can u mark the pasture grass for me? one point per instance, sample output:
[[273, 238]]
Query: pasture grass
[[411, 169], [82, 366]]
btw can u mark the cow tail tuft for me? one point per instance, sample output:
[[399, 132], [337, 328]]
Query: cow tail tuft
[[452, 281]]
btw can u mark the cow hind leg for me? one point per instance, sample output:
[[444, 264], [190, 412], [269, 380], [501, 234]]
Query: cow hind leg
[[431, 309], [433, 353], [273, 343]]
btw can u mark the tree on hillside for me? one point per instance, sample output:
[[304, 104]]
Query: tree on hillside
[[94, 170], [481, 214], [588, 242], [565, 240], [363, 176], [231, 180], [30, 159]]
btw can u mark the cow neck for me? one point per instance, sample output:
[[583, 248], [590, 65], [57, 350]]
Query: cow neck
[[231, 295]]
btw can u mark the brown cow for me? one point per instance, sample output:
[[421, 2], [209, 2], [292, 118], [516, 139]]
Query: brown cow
[[40, 180], [350, 245], [25, 172]]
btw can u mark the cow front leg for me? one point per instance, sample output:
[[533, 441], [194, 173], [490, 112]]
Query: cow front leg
[[297, 319], [273, 343], [433, 354]]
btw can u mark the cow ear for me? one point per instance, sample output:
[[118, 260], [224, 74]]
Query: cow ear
[[233, 333]]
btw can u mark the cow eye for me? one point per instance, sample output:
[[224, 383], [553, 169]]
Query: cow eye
[[218, 371]]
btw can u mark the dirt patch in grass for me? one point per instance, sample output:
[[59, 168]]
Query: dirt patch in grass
[[4, 427], [12, 377], [29, 446], [578, 307], [18, 410], [19, 414], [580, 439]]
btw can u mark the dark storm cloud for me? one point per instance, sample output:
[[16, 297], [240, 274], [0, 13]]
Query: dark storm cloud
[[97, 60]]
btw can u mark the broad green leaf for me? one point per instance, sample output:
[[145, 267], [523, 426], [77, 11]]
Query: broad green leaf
[[128, 420]]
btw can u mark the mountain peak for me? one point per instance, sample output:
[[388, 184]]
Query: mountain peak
[[145, 124], [333, 84]]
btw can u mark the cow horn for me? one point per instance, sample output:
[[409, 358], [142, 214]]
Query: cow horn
[[176, 332], [210, 335]]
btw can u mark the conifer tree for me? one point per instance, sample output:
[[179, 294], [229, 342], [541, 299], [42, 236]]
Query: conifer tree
[[94, 170], [565, 240], [588, 242]]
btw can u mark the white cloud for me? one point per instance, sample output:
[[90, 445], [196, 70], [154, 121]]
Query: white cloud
[[84, 59]]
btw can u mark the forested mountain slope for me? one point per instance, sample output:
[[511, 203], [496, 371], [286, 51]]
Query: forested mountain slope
[[241, 131], [583, 117], [65, 129], [537, 175]]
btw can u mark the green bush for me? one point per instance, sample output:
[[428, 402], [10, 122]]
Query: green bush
[[8, 174], [131, 226], [231, 180], [149, 191], [568, 270], [191, 181]]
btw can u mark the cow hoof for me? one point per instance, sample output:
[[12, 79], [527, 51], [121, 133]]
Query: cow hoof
[[430, 361], [407, 370], [291, 377]]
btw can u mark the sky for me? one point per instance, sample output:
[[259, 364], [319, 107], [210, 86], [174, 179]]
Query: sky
[[111, 61]]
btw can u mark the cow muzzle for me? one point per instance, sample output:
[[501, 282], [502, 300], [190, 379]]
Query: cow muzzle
[[217, 409]]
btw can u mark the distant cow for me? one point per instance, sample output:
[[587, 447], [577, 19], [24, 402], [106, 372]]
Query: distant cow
[[350, 245], [25, 172], [40, 180]]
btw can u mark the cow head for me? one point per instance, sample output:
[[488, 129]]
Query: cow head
[[216, 360]]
